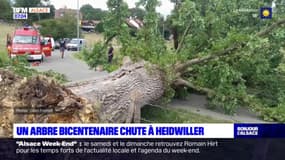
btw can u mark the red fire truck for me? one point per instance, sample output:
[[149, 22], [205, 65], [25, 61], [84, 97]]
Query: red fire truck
[[28, 41]]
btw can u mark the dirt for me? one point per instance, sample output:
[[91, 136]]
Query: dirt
[[7, 81]]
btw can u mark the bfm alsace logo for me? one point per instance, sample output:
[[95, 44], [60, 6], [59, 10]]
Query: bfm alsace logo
[[22, 13]]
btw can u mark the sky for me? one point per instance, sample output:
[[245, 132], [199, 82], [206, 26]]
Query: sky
[[165, 8]]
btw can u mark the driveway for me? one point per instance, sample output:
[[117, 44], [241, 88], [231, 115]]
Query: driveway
[[74, 69]]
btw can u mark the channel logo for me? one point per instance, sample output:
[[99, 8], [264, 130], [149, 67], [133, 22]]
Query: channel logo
[[22, 12], [266, 13]]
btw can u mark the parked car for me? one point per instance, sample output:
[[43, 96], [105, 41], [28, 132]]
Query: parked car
[[76, 44], [56, 45], [67, 40]]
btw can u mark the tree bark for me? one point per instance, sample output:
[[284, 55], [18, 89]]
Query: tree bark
[[122, 92]]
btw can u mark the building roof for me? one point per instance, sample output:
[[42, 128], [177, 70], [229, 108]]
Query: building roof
[[134, 23], [90, 22], [59, 13]]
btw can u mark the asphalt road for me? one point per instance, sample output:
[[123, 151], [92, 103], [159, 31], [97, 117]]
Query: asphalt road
[[74, 69], [199, 104]]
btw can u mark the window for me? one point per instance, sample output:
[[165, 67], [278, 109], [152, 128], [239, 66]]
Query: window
[[74, 41], [25, 39]]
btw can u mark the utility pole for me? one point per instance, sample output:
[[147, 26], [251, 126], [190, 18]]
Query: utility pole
[[39, 17], [78, 23]]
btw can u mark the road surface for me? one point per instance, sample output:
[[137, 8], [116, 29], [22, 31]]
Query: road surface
[[77, 70], [198, 104], [74, 69]]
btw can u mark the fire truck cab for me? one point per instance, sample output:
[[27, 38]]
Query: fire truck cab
[[28, 41]]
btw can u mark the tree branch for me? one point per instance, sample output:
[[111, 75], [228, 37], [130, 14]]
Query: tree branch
[[109, 39], [183, 38], [181, 67], [182, 82], [271, 28]]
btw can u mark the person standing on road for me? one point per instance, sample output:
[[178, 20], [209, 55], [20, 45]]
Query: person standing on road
[[110, 54], [62, 47]]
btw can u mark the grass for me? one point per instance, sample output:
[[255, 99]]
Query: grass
[[159, 115], [92, 38], [79, 56], [5, 29]]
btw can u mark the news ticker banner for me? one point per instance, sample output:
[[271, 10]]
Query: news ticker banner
[[223, 131]]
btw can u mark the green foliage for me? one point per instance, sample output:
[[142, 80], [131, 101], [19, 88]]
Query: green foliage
[[99, 28], [114, 23], [274, 114], [59, 28], [137, 12], [148, 44], [110, 67], [98, 55], [6, 10], [253, 75], [90, 13], [227, 83], [253, 70]]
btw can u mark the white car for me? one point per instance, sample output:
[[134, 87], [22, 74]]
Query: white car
[[76, 44]]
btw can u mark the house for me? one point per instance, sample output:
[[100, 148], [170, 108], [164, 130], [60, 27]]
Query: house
[[89, 22], [59, 13], [89, 25], [134, 23]]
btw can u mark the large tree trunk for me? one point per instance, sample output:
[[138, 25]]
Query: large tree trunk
[[120, 95], [116, 98]]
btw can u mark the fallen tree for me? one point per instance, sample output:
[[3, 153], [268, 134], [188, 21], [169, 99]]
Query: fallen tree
[[116, 98]]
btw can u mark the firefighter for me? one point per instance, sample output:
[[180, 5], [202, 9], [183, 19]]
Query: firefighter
[[62, 47], [110, 54]]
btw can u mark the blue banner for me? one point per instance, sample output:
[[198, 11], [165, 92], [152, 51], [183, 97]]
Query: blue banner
[[252, 130]]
